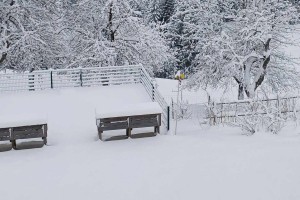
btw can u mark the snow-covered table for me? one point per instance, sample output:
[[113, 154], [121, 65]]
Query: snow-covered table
[[132, 116], [14, 127]]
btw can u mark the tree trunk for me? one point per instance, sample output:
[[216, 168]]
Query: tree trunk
[[2, 58], [241, 89], [110, 18], [241, 92], [4, 55]]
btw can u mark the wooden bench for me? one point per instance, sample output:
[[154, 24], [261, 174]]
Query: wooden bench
[[136, 116], [14, 128], [23, 132], [128, 123]]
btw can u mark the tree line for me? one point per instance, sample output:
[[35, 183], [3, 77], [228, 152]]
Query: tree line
[[218, 43]]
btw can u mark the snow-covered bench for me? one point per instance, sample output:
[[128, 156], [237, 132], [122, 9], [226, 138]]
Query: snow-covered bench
[[17, 127], [136, 116]]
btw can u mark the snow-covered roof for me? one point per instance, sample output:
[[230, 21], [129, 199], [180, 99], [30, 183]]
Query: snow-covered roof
[[129, 110]]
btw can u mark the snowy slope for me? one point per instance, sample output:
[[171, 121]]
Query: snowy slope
[[169, 90]]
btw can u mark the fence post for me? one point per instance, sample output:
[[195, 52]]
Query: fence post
[[80, 77], [168, 126], [51, 79], [153, 92], [141, 72]]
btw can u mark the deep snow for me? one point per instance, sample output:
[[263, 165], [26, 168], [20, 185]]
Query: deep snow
[[198, 163]]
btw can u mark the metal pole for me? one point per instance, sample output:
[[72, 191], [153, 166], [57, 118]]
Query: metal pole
[[168, 118], [51, 79], [176, 111]]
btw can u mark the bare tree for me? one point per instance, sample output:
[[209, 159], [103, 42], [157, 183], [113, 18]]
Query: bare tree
[[27, 36], [248, 48]]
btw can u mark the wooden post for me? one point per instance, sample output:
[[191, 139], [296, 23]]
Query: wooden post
[[128, 132], [235, 116], [14, 144], [278, 106], [221, 113]]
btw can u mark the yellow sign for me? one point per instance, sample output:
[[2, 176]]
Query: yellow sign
[[179, 75]]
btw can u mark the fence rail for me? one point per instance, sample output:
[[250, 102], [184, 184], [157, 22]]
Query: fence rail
[[85, 77], [150, 86], [221, 113]]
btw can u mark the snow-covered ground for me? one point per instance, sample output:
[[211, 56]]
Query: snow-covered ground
[[169, 89], [71, 112], [197, 163]]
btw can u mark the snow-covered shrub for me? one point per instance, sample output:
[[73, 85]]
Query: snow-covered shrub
[[264, 115], [250, 120], [182, 110]]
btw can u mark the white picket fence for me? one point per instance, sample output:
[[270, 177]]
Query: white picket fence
[[85, 77]]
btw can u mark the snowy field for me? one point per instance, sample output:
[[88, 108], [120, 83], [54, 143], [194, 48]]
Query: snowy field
[[197, 163]]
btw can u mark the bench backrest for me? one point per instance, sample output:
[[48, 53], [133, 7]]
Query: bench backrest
[[27, 132], [141, 121], [114, 123], [23, 132], [4, 134]]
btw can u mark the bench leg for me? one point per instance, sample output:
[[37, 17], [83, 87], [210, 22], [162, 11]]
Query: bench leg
[[156, 130], [100, 135], [14, 144], [128, 132], [45, 140]]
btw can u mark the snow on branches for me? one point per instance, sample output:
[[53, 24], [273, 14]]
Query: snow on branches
[[113, 33], [247, 47], [27, 38]]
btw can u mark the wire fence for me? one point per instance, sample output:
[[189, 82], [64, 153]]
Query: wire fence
[[222, 113], [230, 112], [85, 77]]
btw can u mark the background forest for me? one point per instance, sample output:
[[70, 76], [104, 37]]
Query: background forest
[[218, 43]]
